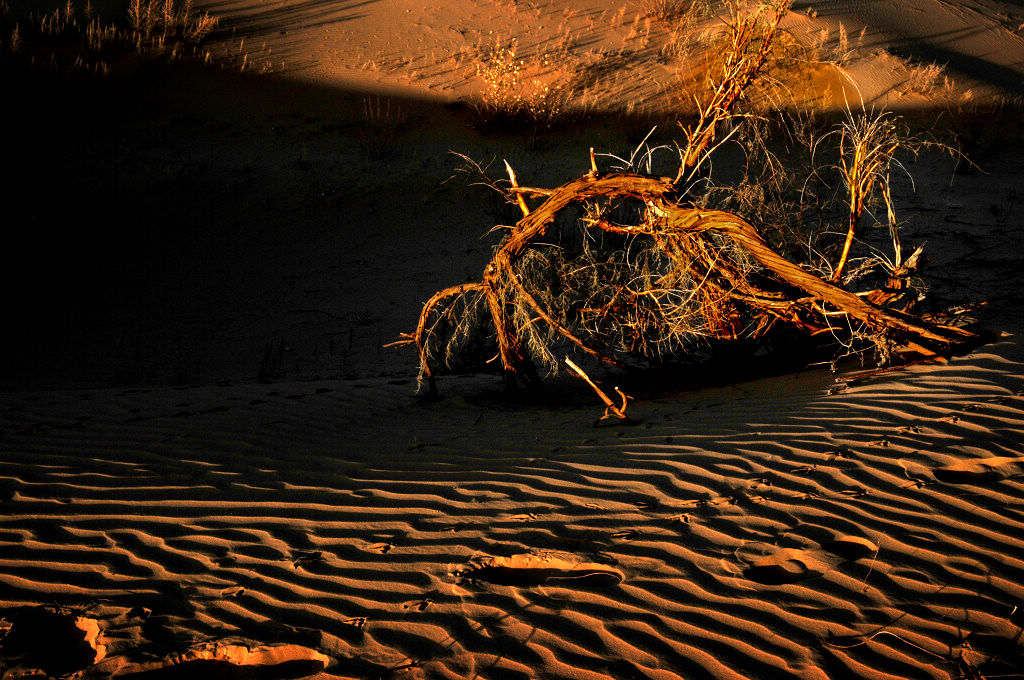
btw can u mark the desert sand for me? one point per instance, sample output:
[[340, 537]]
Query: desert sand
[[209, 463]]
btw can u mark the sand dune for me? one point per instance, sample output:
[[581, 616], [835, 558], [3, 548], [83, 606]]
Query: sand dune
[[612, 54]]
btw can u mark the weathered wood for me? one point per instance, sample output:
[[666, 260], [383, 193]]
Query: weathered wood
[[745, 234], [669, 221]]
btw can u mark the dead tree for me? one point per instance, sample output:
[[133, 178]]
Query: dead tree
[[736, 284]]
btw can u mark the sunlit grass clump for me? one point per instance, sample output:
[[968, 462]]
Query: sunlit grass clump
[[516, 88]]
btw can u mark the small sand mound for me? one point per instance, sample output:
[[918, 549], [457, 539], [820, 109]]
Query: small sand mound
[[977, 470], [533, 570]]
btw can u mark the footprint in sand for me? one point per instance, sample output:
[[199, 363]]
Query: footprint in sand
[[772, 565], [419, 605], [626, 534], [977, 470], [352, 630], [525, 570]]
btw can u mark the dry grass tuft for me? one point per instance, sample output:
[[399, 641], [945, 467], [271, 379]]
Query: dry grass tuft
[[501, 70], [840, 50], [166, 20], [867, 146], [77, 38], [924, 79], [676, 10], [517, 88]]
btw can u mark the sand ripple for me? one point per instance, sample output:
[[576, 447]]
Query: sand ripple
[[873, 532]]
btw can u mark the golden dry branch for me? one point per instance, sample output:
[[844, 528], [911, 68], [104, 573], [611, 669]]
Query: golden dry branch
[[796, 296]]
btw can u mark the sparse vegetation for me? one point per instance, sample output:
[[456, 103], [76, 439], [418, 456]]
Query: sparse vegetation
[[381, 110], [76, 38], [676, 10], [516, 88], [924, 78], [839, 50]]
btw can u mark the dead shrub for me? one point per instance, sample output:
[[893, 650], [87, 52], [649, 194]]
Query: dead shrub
[[623, 267]]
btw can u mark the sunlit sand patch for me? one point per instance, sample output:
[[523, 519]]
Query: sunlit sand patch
[[55, 640], [224, 658]]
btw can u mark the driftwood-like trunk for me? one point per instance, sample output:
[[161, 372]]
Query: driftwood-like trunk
[[787, 293]]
